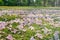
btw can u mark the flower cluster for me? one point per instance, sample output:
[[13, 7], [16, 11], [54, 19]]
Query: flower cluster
[[29, 27]]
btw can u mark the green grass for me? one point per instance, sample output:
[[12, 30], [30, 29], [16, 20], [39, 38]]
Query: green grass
[[27, 7], [7, 17]]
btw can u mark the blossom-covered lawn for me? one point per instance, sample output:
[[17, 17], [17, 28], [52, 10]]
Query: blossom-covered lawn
[[30, 27]]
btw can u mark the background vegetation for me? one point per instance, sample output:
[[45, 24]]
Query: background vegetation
[[30, 3]]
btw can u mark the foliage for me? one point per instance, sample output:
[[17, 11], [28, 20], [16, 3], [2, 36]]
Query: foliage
[[30, 2]]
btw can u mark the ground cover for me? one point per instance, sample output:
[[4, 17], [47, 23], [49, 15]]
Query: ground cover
[[30, 27]]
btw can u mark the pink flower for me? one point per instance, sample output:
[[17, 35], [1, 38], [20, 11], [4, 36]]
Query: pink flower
[[38, 21], [17, 20], [39, 35], [2, 25], [9, 37], [24, 30], [20, 27], [56, 25], [31, 27], [47, 31], [32, 38], [30, 15], [14, 30]]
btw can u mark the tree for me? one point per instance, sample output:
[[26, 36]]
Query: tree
[[12, 2], [29, 2], [57, 2], [5, 2], [1, 2], [22, 2], [39, 2], [45, 2]]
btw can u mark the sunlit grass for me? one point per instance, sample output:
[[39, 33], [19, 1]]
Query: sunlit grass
[[27, 7]]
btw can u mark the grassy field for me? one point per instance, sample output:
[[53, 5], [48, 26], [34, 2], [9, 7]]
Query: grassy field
[[28, 7]]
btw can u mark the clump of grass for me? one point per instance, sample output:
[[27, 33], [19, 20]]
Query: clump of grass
[[7, 17], [14, 25]]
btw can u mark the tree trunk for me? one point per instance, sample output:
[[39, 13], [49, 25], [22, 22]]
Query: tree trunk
[[45, 3]]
